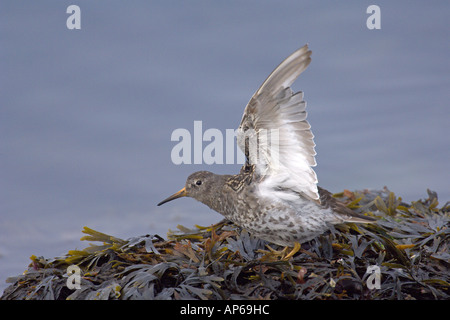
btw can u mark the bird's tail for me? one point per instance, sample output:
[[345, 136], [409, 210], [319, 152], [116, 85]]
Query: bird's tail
[[343, 214]]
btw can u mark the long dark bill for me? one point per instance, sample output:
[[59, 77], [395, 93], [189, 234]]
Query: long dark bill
[[179, 194]]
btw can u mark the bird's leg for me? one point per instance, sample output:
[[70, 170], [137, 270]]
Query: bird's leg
[[283, 254], [294, 250]]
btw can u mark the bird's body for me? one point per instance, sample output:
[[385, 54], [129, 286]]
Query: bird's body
[[275, 196], [276, 220]]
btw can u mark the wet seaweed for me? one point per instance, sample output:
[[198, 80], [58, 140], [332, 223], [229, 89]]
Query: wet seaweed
[[408, 247]]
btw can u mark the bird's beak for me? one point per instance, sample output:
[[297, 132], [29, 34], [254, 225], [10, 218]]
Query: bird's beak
[[179, 194]]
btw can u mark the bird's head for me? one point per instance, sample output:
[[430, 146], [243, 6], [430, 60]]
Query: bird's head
[[199, 185]]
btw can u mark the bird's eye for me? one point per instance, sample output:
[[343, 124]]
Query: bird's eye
[[198, 182]]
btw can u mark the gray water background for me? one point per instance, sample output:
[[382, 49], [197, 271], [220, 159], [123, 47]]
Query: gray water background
[[86, 115]]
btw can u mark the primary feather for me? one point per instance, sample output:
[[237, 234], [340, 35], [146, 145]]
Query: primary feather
[[275, 135]]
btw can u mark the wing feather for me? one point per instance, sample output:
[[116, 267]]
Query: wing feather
[[275, 135]]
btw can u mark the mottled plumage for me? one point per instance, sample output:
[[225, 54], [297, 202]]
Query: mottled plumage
[[275, 196]]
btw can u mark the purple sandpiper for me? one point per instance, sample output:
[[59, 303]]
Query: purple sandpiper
[[275, 196]]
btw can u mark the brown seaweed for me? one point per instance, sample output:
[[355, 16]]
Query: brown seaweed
[[408, 246]]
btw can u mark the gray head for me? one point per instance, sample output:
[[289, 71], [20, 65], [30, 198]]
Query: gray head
[[199, 185]]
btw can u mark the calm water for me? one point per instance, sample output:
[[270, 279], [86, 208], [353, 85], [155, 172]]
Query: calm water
[[86, 115]]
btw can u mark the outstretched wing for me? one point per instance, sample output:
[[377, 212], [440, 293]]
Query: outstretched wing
[[274, 134]]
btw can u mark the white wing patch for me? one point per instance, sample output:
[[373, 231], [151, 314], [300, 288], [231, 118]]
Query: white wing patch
[[275, 135]]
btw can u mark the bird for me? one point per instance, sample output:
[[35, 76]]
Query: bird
[[275, 196]]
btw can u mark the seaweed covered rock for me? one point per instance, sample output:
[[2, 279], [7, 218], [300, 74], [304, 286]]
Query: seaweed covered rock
[[405, 255]]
